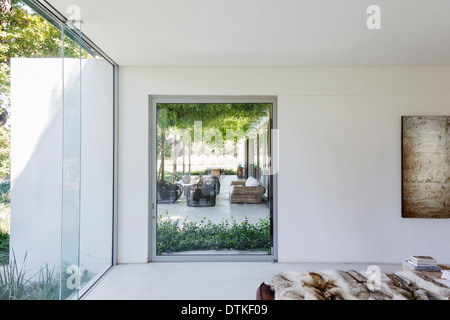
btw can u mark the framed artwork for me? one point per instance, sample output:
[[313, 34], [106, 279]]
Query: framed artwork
[[426, 166]]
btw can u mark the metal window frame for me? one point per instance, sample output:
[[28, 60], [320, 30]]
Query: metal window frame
[[152, 257]]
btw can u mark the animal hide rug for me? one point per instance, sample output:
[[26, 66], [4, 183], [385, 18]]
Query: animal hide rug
[[353, 285]]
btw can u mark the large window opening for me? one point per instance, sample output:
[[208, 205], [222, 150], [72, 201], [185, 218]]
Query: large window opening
[[57, 92], [212, 178]]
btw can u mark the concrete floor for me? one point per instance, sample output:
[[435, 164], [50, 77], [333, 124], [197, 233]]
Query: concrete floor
[[201, 280], [222, 210]]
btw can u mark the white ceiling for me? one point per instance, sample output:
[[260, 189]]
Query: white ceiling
[[266, 32]]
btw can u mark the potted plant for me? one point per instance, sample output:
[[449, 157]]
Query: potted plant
[[240, 171]]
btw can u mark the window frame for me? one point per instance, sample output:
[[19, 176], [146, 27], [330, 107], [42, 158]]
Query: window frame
[[152, 156]]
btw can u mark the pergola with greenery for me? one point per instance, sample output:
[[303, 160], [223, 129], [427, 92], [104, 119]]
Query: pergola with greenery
[[230, 120]]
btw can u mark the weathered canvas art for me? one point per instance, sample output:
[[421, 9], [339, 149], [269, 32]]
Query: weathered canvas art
[[426, 167]]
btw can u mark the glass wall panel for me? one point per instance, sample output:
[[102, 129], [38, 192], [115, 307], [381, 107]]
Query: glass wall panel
[[97, 165], [88, 169], [62, 158], [71, 189]]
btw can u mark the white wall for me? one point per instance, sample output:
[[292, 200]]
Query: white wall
[[36, 166], [37, 157], [340, 156]]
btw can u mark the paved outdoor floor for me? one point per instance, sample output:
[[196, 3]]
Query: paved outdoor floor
[[222, 210]]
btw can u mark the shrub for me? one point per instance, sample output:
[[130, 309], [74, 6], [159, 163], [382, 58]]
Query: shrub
[[5, 187], [5, 150], [46, 284], [12, 281], [4, 248], [173, 236], [4, 233], [15, 286], [230, 172]]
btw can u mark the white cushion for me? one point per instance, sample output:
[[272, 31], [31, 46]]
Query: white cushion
[[251, 182], [186, 179]]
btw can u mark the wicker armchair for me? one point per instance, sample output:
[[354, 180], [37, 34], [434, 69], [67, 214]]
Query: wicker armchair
[[240, 193], [167, 192], [202, 193], [211, 179]]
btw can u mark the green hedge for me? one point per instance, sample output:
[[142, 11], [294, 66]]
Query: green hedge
[[168, 176], [4, 231], [173, 236]]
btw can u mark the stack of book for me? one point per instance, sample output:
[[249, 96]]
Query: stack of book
[[422, 263]]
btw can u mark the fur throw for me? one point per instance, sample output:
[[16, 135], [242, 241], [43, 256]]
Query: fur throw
[[353, 285]]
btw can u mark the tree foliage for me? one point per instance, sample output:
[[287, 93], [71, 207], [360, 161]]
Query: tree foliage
[[5, 146], [25, 34], [240, 118], [220, 116]]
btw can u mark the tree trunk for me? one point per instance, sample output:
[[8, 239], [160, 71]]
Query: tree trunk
[[175, 155], [163, 153], [184, 159], [190, 151]]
